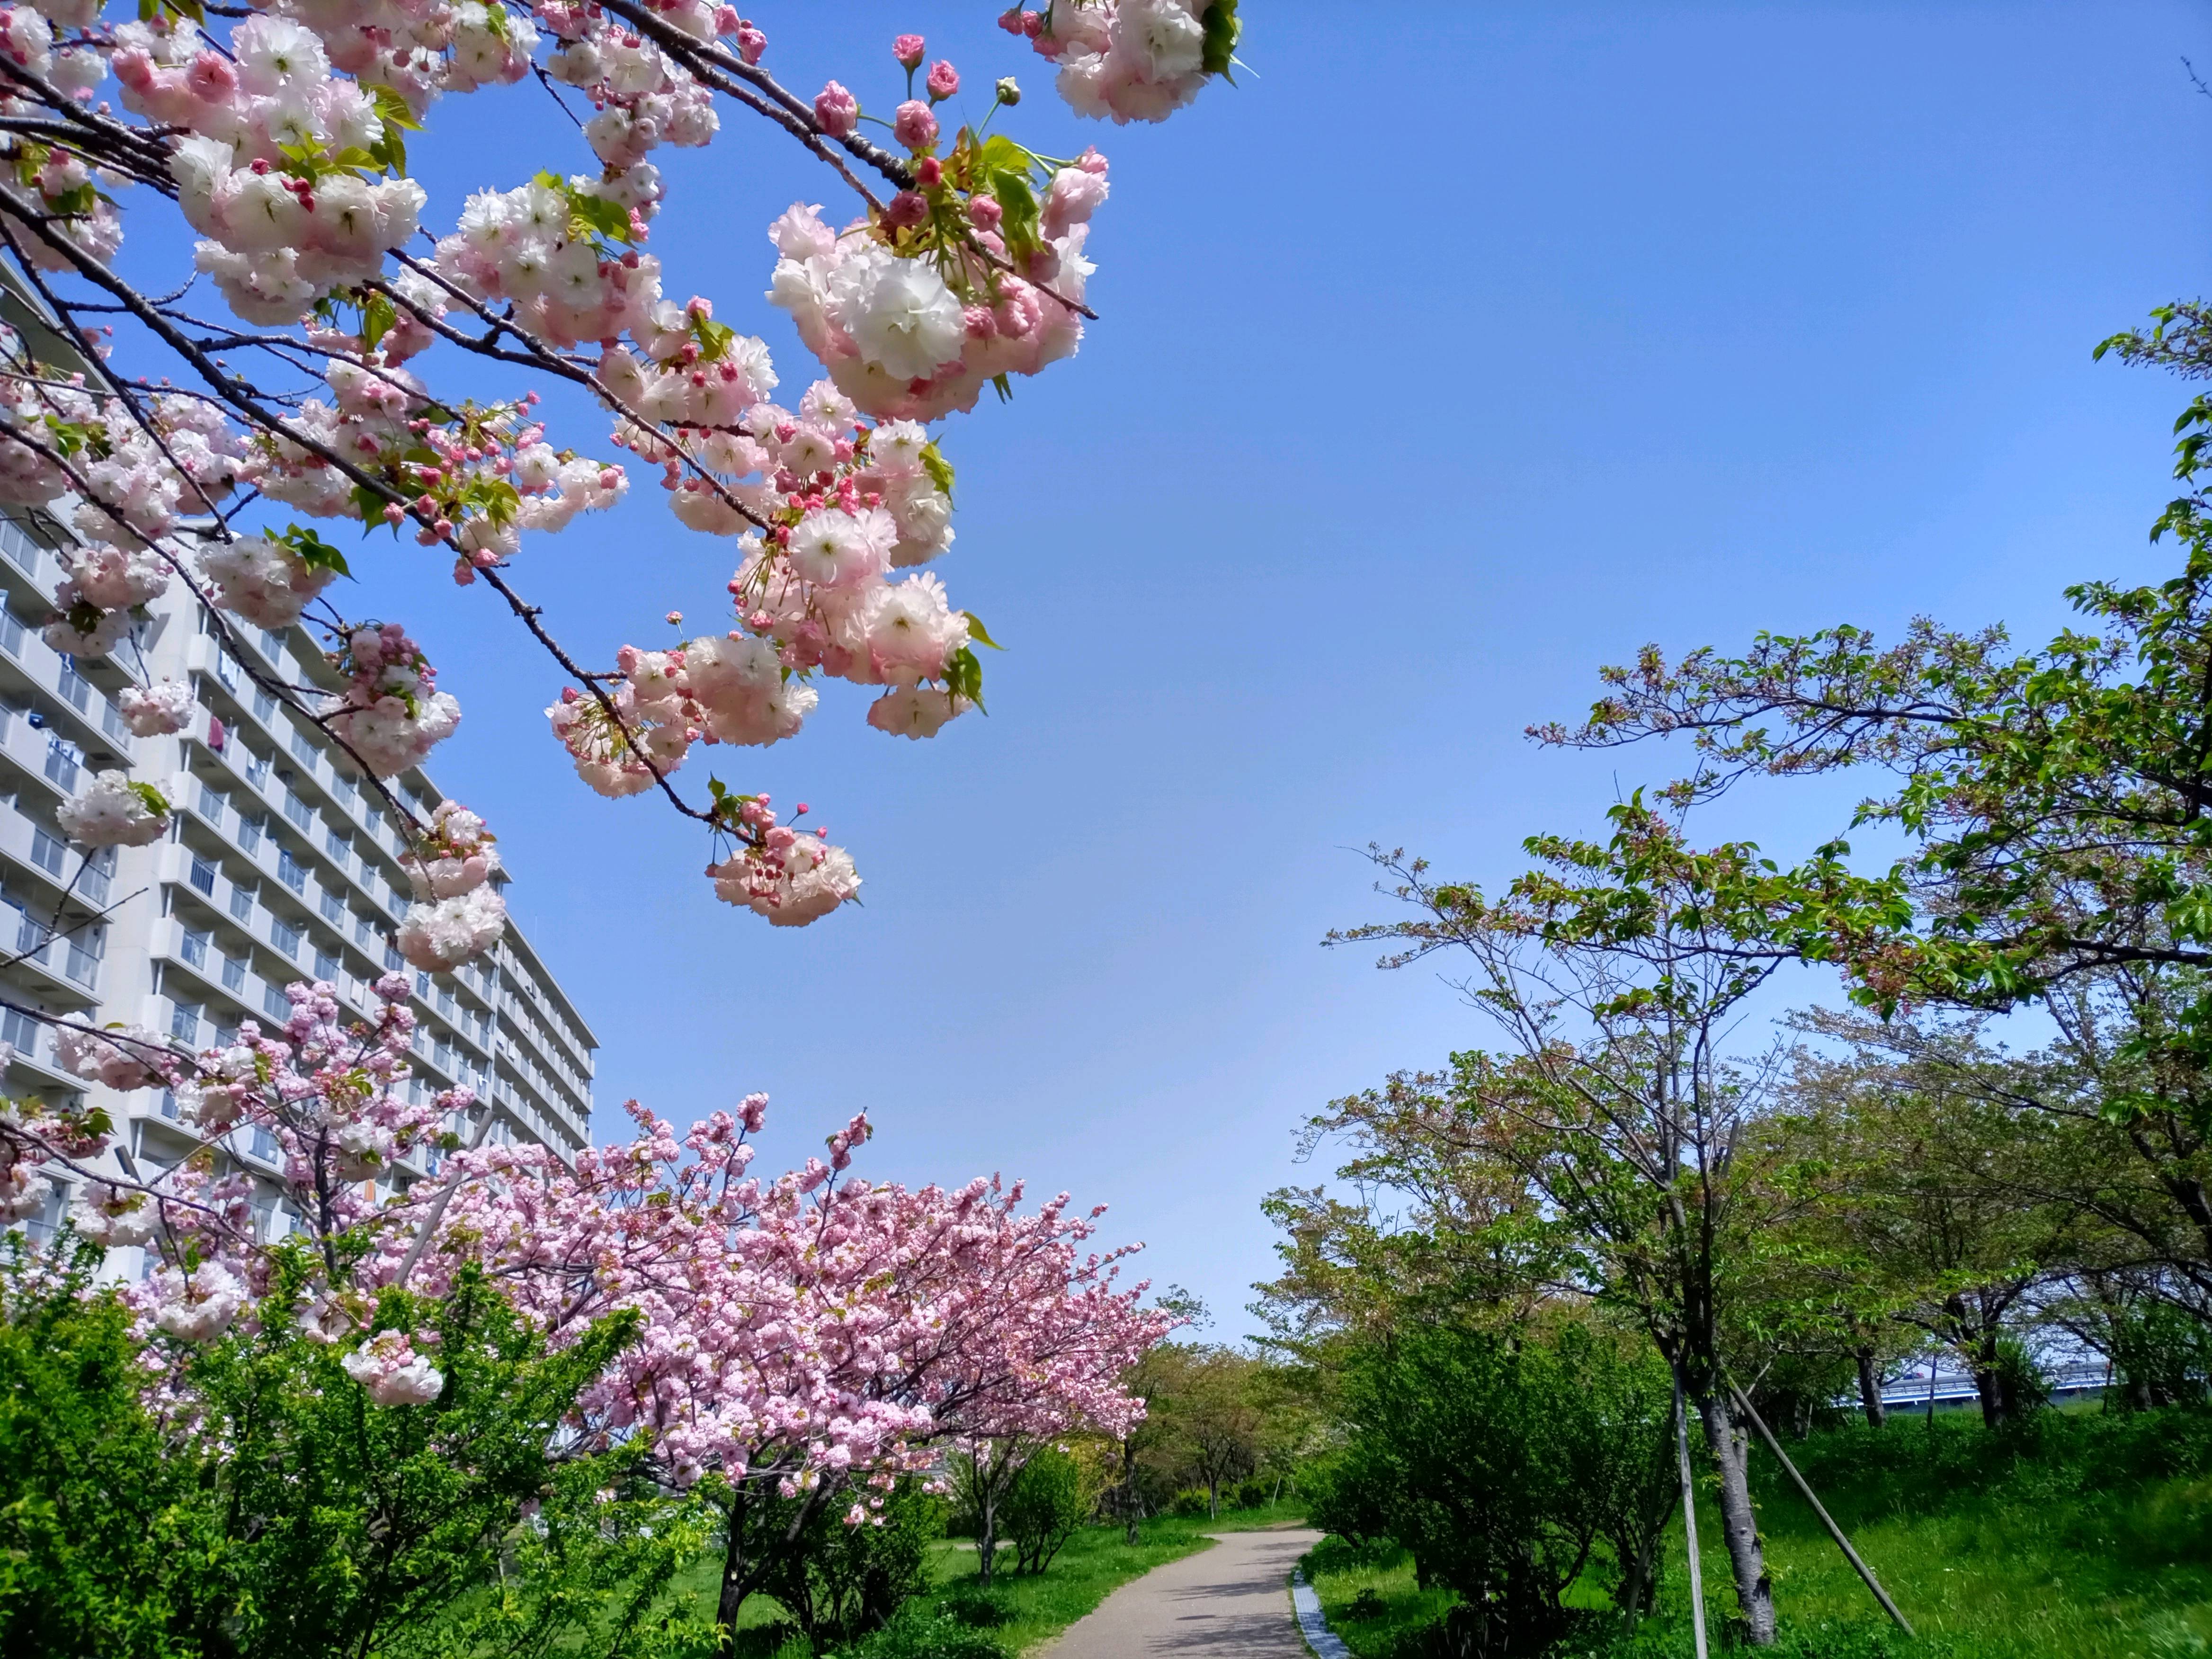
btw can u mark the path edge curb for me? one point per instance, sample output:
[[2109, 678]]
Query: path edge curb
[[1325, 1643]]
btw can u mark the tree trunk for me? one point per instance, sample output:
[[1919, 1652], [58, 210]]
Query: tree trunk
[[733, 1571], [1870, 1391], [1129, 1487], [1754, 1592], [1988, 1381], [1213, 1499], [986, 1538]]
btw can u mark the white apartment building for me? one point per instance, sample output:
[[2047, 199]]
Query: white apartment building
[[278, 867]]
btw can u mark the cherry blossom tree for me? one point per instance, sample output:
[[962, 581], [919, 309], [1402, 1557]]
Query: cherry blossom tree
[[812, 1337], [356, 364]]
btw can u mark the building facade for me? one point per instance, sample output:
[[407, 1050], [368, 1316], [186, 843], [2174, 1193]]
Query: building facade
[[279, 866]]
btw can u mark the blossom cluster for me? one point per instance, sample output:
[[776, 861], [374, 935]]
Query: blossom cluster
[[913, 338], [1132, 60], [391, 712], [458, 914]]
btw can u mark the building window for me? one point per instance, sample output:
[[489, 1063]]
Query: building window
[[393, 962], [11, 633], [185, 1026], [264, 1147], [292, 873], [99, 871], [20, 1032], [249, 833], [326, 966], [83, 966], [47, 851], [333, 908], [256, 771], [75, 688], [210, 804], [299, 811], [169, 1100], [225, 669], [62, 758], [285, 936], [265, 707], [196, 947], [362, 931], [302, 747], [337, 846], [241, 902], [275, 1003], [234, 976]]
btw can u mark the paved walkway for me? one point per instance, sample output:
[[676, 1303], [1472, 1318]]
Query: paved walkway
[[1231, 1601]]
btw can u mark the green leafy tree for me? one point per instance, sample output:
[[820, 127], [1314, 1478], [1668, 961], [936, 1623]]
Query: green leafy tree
[[2056, 803], [1615, 971], [1051, 1498]]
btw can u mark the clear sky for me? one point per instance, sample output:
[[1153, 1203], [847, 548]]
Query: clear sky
[[1455, 351]]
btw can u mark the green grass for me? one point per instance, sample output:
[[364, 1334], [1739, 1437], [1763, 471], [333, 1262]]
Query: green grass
[[1026, 1609], [2088, 1537], [1369, 1595]]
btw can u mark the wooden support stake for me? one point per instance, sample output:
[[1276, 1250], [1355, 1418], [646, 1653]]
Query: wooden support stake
[[1806, 1491], [1690, 1521]]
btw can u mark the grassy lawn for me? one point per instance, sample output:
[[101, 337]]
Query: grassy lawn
[[2096, 1544], [1023, 1611]]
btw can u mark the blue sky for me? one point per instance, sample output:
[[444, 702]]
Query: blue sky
[[1454, 352]]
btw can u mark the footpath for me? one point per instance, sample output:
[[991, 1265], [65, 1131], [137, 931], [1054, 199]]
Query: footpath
[[1231, 1601]]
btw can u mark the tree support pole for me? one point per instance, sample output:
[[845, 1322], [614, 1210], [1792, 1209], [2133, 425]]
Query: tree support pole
[[1806, 1491], [1690, 1520]]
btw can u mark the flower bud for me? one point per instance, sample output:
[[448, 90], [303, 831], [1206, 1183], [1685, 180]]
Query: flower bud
[[908, 49], [944, 80], [837, 111], [914, 124], [1009, 94]]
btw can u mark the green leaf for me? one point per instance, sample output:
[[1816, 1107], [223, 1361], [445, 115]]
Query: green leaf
[[392, 108], [977, 632], [939, 469], [999, 154], [1020, 226], [314, 552], [157, 802], [964, 676], [591, 215], [1222, 29], [378, 316], [369, 505], [713, 338]]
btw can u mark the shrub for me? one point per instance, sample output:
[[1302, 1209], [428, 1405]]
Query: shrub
[[2163, 1355], [917, 1633], [1252, 1495], [841, 1582], [1497, 1461], [1190, 1501], [973, 1606], [1045, 1505]]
